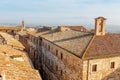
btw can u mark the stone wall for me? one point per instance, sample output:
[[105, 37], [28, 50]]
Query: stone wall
[[104, 68], [56, 63], [59, 64]]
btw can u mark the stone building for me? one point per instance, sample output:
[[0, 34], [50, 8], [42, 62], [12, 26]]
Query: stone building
[[78, 28], [12, 30], [31, 40], [69, 54]]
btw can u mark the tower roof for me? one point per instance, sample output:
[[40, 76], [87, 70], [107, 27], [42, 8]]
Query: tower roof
[[101, 18]]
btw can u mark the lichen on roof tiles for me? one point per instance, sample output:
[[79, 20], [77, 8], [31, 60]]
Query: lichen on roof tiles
[[74, 41]]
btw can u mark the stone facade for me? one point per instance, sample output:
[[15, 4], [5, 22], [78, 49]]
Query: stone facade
[[12, 30], [59, 64], [104, 67], [33, 47], [52, 65], [90, 59]]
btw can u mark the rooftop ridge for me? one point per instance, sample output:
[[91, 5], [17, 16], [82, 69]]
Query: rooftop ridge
[[88, 47]]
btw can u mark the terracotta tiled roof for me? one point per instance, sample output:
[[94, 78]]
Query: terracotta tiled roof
[[80, 28], [22, 33], [104, 46], [74, 41], [11, 41], [14, 64], [9, 28], [84, 45], [100, 18]]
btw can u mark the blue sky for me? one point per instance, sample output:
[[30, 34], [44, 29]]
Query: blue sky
[[59, 12]]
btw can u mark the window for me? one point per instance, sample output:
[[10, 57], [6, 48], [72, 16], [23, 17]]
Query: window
[[56, 52], [49, 61], [100, 26], [53, 65], [49, 47], [43, 44], [12, 31], [112, 65], [61, 72], [61, 56], [56, 68], [0, 77], [38, 41], [46, 45], [94, 68]]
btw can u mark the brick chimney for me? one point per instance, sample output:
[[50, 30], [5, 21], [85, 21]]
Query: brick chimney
[[100, 25]]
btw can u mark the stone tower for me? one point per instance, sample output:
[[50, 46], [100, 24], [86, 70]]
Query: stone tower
[[23, 25], [100, 25]]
